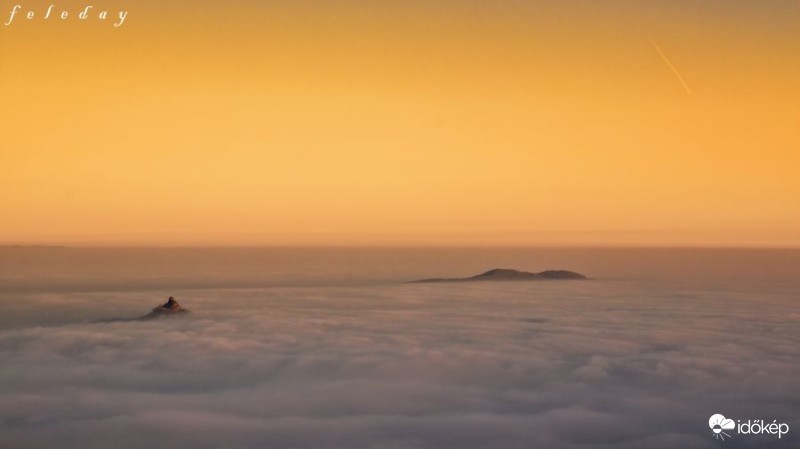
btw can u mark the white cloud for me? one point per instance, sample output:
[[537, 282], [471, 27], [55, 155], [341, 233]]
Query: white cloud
[[595, 365]]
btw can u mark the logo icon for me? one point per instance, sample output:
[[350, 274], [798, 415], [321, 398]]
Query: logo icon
[[719, 424]]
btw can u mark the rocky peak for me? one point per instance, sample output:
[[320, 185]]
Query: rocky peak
[[169, 307]]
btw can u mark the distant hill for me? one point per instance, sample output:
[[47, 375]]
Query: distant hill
[[505, 274], [170, 308]]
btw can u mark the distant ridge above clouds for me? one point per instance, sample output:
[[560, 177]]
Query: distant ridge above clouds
[[170, 308], [506, 274]]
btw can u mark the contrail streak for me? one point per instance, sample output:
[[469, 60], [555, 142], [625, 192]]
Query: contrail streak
[[672, 67]]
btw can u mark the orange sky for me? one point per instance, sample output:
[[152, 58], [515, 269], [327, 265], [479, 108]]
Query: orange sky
[[424, 123]]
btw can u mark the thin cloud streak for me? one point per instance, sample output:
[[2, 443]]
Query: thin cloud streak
[[672, 67]]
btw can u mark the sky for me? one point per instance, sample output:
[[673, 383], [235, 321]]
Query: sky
[[402, 123]]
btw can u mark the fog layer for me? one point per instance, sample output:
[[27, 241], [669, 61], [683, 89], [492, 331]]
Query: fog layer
[[594, 364]]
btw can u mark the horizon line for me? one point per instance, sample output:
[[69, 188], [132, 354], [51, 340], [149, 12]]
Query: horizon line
[[399, 246]]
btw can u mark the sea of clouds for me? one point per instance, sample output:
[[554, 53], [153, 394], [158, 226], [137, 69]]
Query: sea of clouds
[[594, 364]]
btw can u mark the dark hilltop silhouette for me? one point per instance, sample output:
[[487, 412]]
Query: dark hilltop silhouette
[[171, 307], [505, 274], [168, 309]]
